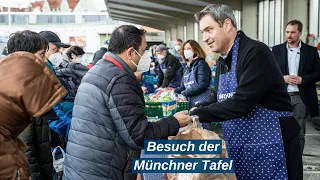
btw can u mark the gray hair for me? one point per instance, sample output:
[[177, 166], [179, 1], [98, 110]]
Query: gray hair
[[219, 12]]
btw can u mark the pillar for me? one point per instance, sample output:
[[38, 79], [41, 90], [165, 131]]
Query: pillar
[[190, 30], [173, 33], [250, 18], [167, 34], [296, 9], [180, 32]]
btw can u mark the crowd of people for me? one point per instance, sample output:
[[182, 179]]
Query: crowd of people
[[96, 114]]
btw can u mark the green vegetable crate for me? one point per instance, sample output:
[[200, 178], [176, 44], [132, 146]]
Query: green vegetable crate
[[154, 109]]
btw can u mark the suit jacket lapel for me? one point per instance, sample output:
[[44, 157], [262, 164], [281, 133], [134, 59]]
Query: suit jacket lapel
[[302, 59], [284, 58]]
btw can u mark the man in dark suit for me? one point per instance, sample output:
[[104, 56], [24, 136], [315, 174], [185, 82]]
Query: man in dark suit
[[300, 66]]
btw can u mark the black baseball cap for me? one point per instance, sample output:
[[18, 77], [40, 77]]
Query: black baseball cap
[[53, 38]]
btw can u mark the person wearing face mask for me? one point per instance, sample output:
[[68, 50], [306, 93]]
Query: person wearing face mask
[[70, 72], [60, 64], [169, 70], [196, 79], [53, 54], [75, 54], [38, 90], [178, 50], [109, 125]]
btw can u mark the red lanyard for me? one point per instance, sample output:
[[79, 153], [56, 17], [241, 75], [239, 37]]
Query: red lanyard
[[115, 62]]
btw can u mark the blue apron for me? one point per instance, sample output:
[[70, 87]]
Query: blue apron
[[176, 81], [190, 83], [254, 142]]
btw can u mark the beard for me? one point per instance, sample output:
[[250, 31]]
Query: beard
[[291, 41]]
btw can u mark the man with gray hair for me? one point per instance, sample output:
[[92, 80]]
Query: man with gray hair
[[252, 101], [169, 70]]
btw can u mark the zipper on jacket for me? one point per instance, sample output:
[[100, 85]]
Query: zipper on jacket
[[126, 163], [18, 175]]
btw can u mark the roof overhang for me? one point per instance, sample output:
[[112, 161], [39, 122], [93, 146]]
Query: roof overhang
[[160, 14]]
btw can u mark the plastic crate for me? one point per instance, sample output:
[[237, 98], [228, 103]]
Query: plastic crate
[[182, 106], [154, 109]]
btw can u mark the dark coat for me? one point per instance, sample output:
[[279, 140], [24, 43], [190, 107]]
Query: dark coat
[[173, 65], [99, 55], [38, 151], [309, 70], [109, 125], [202, 74]]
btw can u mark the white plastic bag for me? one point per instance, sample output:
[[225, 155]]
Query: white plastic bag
[[58, 163]]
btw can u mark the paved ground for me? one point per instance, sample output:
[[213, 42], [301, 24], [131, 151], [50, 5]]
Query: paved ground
[[311, 155]]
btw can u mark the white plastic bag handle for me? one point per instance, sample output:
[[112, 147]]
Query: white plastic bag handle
[[54, 152]]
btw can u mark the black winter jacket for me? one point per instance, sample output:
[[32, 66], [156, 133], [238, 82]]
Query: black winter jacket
[[172, 64], [109, 125], [37, 138], [202, 74]]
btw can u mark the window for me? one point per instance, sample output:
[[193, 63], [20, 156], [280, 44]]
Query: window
[[237, 15], [314, 23], [19, 19], [3, 19], [95, 18], [270, 26], [60, 19]]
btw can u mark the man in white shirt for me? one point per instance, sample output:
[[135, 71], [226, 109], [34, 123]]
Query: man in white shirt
[[300, 66]]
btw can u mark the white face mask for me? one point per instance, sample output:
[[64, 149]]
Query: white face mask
[[177, 47], [79, 60], [188, 54], [56, 58], [160, 57], [144, 63]]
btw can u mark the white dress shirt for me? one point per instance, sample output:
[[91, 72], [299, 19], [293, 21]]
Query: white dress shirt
[[293, 64]]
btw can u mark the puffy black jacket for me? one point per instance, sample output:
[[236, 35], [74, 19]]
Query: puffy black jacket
[[70, 75], [38, 151], [109, 125], [202, 74], [173, 65]]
